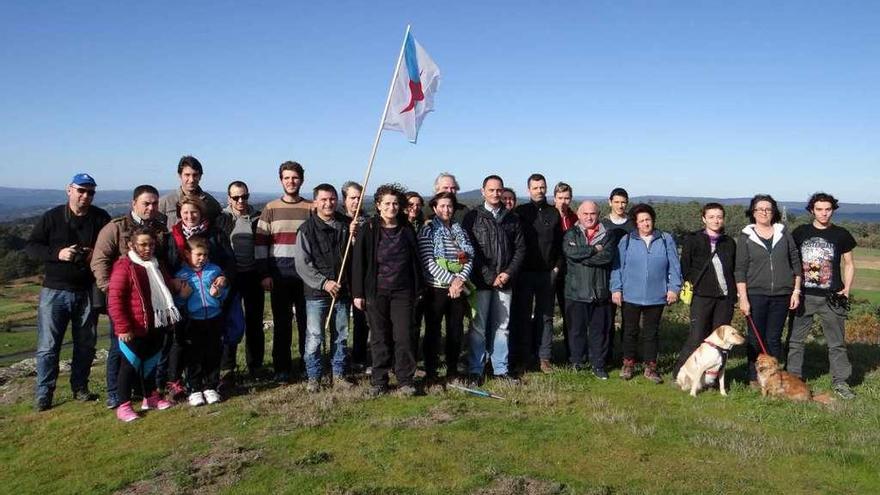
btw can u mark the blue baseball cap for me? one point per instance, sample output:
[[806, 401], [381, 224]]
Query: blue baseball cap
[[83, 180]]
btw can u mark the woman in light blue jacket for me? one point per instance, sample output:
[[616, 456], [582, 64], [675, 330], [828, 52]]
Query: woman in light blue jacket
[[645, 278]]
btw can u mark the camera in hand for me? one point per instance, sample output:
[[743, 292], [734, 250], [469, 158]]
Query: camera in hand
[[839, 301], [80, 254]]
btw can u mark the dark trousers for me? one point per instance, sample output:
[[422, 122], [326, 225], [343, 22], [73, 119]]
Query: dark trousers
[[360, 347], [202, 348], [112, 366], [532, 325], [248, 284], [560, 301], [589, 320], [128, 376], [769, 314], [287, 292], [707, 314], [641, 329], [391, 315], [439, 305], [418, 317]]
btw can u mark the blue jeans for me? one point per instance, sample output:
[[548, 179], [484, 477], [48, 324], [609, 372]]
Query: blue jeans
[[57, 309], [113, 356], [488, 333], [316, 315]]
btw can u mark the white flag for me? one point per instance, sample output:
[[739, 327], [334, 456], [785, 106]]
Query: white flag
[[413, 94]]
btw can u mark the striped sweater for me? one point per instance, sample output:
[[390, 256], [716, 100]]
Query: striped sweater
[[275, 236], [435, 275]]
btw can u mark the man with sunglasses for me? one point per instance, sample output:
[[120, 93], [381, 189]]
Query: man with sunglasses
[[239, 222], [64, 238]]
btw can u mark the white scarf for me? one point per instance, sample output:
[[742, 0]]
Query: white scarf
[[165, 313]]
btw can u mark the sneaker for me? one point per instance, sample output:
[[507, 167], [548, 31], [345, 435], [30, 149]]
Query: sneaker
[[600, 373], [211, 396], [125, 413], [85, 396], [196, 399], [546, 367], [227, 383], [843, 390], [313, 386], [473, 381], [112, 401], [652, 376], [155, 401], [377, 390], [627, 372], [406, 391], [175, 390], [342, 382], [507, 378]]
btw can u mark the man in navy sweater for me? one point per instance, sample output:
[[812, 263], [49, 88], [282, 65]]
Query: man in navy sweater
[[63, 238]]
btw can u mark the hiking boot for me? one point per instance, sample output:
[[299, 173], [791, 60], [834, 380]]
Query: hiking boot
[[85, 396], [628, 370], [313, 386], [377, 390], [843, 390], [211, 396], [600, 373], [472, 381], [196, 399], [125, 413], [43, 405], [651, 373], [227, 383], [546, 367], [175, 390], [155, 401]]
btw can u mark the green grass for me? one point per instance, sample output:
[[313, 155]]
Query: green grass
[[565, 432]]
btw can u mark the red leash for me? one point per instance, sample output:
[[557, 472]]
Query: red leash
[[757, 334]]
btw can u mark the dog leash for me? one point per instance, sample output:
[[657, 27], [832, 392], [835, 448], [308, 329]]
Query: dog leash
[[757, 334]]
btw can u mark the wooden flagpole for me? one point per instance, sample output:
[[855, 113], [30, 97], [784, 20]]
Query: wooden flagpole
[[369, 171]]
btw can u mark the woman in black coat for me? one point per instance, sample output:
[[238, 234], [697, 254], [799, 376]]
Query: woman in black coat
[[708, 257]]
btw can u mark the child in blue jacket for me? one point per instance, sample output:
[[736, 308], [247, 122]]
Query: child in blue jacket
[[203, 331]]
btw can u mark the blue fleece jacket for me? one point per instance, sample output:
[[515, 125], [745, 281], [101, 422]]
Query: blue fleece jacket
[[201, 305], [645, 273]]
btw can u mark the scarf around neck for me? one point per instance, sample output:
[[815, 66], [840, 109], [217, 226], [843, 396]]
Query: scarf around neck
[[165, 313], [458, 235]]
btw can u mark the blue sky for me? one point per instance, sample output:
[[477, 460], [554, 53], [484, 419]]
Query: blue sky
[[681, 98]]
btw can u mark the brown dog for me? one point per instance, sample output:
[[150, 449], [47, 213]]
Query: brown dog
[[777, 383], [706, 363]]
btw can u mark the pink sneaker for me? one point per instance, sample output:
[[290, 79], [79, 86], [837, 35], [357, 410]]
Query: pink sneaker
[[155, 401], [125, 413]]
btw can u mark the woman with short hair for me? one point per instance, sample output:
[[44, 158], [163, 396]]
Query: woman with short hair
[[386, 278], [768, 276], [646, 277]]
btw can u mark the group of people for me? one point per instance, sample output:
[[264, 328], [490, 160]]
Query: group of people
[[183, 279]]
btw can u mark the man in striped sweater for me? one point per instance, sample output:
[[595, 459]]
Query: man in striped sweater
[[274, 241]]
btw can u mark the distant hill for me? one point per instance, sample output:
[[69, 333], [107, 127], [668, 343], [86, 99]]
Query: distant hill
[[17, 203]]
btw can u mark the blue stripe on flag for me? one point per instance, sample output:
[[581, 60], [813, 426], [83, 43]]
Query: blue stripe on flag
[[412, 62]]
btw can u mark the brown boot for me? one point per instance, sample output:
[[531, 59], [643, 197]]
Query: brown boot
[[546, 367], [651, 372], [629, 368]]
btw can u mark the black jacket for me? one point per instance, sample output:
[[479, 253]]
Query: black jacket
[[57, 229], [498, 245], [542, 234], [698, 269], [326, 247], [364, 263]]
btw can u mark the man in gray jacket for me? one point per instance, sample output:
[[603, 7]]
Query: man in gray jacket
[[189, 170]]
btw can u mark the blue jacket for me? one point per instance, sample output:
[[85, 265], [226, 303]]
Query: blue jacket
[[201, 305], [644, 274]]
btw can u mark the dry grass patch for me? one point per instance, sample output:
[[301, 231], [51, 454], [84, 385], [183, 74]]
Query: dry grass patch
[[522, 485]]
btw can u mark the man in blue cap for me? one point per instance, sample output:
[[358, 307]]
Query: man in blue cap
[[64, 238]]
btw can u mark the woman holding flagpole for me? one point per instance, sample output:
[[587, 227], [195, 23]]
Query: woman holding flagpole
[[386, 287]]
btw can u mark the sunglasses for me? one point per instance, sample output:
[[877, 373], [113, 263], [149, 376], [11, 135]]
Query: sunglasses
[[243, 197], [82, 190]]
